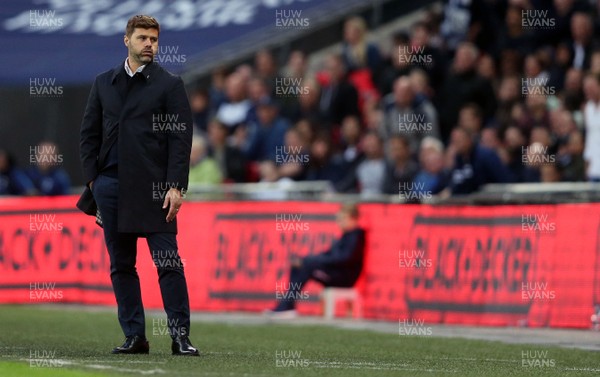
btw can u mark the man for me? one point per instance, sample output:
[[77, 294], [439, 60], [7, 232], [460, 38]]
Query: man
[[464, 85], [406, 115], [400, 169], [474, 165], [582, 39], [339, 98], [135, 152], [231, 161], [370, 172], [268, 133], [340, 266]]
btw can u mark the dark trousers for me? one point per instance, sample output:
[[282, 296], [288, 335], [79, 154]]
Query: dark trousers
[[122, 249], [312, 269]]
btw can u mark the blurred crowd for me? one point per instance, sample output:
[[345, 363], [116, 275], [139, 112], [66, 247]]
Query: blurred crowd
[[481, 92], [491, 91], [44, 176]]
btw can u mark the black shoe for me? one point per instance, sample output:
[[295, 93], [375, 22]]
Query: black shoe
[[182, 346], [133, 344]]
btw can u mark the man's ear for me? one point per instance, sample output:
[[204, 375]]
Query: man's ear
[[125, 40]]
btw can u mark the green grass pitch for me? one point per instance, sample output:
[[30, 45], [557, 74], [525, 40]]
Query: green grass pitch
[[47, 342]]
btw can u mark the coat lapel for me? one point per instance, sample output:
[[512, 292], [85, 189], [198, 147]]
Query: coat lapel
[[136, 94]]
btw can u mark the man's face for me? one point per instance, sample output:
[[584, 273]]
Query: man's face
[[142, 45], [345, 221], [460, 141]]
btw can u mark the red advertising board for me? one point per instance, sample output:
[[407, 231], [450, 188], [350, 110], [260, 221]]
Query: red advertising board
[[534, 265]]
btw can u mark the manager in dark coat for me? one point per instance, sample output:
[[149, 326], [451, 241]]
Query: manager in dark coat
[[135, 152]]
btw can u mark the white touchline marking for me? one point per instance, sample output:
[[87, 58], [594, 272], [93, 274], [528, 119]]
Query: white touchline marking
[[124, 361], [584, 369], [110, 367], [104, 367], [476, 359], [374, 366]]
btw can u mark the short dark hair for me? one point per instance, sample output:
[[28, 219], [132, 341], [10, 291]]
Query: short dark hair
[[141, 21]]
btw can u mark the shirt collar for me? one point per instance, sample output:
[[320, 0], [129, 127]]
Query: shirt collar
[[129, 71]]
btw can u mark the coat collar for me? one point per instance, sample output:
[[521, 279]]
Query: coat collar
[[148, 73]]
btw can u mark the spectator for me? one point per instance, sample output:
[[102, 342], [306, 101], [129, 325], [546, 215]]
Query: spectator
[[296, 65], [356, 51], [471, 118], [306, 129], [571, 160], [398, 63], [266, 68], [467, 20], [550, 173], [307, 104], [582, 32], [420, 84], [400, 169], [217, 89], [350, 155], [474, 165], [292, 78], [514, 143], [267, 134], [338, 97], [323, 164], [200, 106], [230, 160], [486, 68], [559, 66], [431, 177], [13, 181], [535, 156], [573, 90], [257, 90], [561, 125], [47, 175], [595, 62], [405, 115], [294, 156], [512, 34], [489, 139], [464, 85], [509, 93], [203, 168], [371, 171], [591, 152], [234, 110], [351, 132], [535, 113], [430, 59]]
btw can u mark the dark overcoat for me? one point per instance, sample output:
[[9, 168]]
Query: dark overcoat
[[153, 121]]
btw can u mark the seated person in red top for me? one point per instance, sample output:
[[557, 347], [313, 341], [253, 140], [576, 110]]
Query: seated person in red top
[[340, 266]]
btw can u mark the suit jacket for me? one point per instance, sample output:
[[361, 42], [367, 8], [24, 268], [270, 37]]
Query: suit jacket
[[154, 125]]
